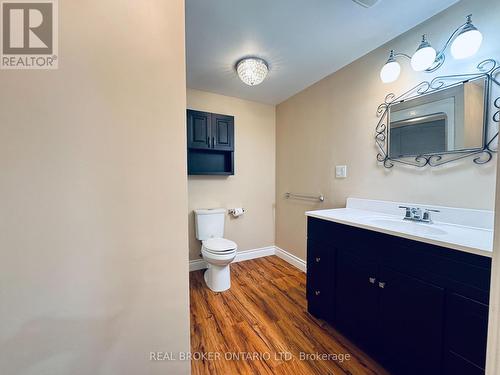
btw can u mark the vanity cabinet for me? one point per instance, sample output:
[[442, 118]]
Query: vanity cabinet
[[416, 307]]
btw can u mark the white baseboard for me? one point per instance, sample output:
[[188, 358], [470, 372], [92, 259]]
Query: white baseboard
[[199, 264], [254, 253], [292, 259]]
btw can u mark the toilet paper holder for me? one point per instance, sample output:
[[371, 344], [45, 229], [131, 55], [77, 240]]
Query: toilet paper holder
[[234, 212]]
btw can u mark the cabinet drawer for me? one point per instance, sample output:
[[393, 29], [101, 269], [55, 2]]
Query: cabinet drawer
[[320, 260], [466, 274], [320, 230], [320, 279], [320, 257], [320, 303], [467, 328]]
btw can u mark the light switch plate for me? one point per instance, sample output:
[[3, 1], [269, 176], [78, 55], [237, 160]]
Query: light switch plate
[[340, 171]]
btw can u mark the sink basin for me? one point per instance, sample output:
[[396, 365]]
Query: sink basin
[[414, 227]]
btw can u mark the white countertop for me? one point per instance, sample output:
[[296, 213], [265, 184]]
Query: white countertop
[[476, 237]]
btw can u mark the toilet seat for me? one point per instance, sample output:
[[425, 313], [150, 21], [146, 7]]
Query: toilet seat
[[219, 246]]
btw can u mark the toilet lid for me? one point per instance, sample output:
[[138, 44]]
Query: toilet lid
[[219, 245]]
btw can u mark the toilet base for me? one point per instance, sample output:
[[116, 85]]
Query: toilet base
[[218, 278]]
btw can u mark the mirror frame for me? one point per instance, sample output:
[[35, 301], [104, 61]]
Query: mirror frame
[[488, 70]]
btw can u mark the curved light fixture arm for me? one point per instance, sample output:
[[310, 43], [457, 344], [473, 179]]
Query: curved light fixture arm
[[398, 54]]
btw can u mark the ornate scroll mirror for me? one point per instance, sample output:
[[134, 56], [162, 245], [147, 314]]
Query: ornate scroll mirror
[[447, 119]]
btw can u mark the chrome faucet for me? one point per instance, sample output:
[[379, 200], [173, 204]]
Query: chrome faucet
[[418, 214]]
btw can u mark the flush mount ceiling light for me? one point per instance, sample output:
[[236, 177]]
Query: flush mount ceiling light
[[252, 70], [465, 41]]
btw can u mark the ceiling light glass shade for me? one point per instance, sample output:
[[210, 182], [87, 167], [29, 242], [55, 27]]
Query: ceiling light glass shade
[[252, 70], [390, 71], [467, 43]]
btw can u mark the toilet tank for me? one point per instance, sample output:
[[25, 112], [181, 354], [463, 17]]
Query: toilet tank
[[209, 223]]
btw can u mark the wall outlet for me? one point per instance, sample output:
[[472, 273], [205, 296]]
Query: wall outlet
[[340, 171]]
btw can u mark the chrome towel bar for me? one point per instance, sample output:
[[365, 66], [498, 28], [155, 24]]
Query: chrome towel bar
[[319, 198]]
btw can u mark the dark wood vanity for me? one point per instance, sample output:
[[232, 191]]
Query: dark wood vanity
[[417, 308]]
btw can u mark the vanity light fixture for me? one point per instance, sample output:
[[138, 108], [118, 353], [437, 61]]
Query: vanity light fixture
[[252, 70], [464, 42]]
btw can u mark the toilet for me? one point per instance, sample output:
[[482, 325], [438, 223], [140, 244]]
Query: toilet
[[217, 251]]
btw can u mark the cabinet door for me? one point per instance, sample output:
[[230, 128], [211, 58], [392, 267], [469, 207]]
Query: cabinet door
[[356, 299], [320, 279], [198, 129], [411, 324], [222, 132], [466, 333]]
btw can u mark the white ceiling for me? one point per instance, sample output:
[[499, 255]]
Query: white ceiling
[[302, 40]]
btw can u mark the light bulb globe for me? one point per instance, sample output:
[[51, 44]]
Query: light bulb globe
[[390, 72], [423, 59], [466, 44]]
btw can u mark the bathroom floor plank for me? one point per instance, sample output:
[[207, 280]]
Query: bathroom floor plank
[[262, 317]]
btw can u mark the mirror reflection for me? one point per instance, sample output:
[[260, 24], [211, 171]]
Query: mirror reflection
[[448, 120]]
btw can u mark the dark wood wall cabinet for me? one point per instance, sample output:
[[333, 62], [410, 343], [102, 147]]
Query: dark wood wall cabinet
[[210, 143], [416, 307]]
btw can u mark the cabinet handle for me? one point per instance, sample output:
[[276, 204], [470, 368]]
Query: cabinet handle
[[318, 259], [381, 285], [372, 280], [317, 292]]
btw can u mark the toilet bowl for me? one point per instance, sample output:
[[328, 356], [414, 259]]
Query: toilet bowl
[[218, 253]]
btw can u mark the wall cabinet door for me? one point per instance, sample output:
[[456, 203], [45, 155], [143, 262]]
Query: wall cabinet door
[[222, 132], [320, 279], [198, 129], [411, 324], [356, 298]]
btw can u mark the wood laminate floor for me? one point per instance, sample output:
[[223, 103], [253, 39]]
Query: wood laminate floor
[[261, 326]]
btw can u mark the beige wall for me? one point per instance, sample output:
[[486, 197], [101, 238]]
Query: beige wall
[[253, 184], [473, 114], [94, 265], [332, 123]]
